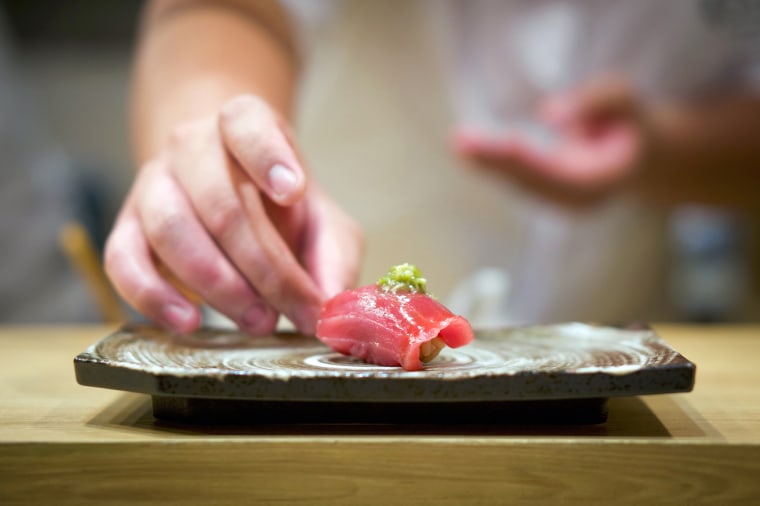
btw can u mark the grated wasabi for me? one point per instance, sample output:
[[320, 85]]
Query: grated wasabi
[[403, 278]]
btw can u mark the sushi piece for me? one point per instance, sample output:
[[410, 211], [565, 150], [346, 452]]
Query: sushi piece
[[394, 322]]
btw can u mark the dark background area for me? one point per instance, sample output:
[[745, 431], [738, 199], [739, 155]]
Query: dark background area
[[72, 22], [72, 58]]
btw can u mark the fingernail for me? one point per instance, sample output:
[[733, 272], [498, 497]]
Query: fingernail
[[282, 180], [179, 317]]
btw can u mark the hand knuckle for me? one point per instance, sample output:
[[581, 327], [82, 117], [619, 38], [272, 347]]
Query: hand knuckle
[[181, 134], [113, 258], [245, 120], [208, 276], [241, 104], [189, 133], [270, 283], [217, 283], [223, 217], [162, 229]]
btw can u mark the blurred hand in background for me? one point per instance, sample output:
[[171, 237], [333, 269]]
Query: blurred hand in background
[[608, 139], [600, 141]]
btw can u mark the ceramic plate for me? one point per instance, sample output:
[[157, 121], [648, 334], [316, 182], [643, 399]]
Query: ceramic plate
[[554, 362]]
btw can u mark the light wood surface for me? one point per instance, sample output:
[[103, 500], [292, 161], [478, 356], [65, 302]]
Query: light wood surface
[[63, 443]]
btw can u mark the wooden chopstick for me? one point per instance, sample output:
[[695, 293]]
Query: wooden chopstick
[[78, 247]]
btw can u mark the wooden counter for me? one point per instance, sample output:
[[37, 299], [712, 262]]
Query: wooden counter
[[64, 443]]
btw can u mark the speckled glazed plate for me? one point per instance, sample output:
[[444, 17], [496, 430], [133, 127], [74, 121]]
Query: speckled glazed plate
[[211, 370]]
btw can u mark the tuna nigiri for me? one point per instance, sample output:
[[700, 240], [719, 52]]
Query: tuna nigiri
[[394, 322]]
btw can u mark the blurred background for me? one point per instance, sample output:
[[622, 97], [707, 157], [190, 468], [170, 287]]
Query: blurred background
[[73, 59], [65, 73], [64, 68]]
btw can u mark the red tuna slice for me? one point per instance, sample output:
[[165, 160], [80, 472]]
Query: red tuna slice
[[387, 328]]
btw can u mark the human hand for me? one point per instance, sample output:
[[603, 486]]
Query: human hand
[[228, 211], [603, 139]]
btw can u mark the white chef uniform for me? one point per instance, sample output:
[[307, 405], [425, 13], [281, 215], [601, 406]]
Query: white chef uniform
[[386, 81]]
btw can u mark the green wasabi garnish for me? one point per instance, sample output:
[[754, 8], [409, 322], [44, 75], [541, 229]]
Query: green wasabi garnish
[[403, 278]]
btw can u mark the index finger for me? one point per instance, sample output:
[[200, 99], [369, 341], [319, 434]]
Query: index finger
[[254, 135], [232, 209]]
